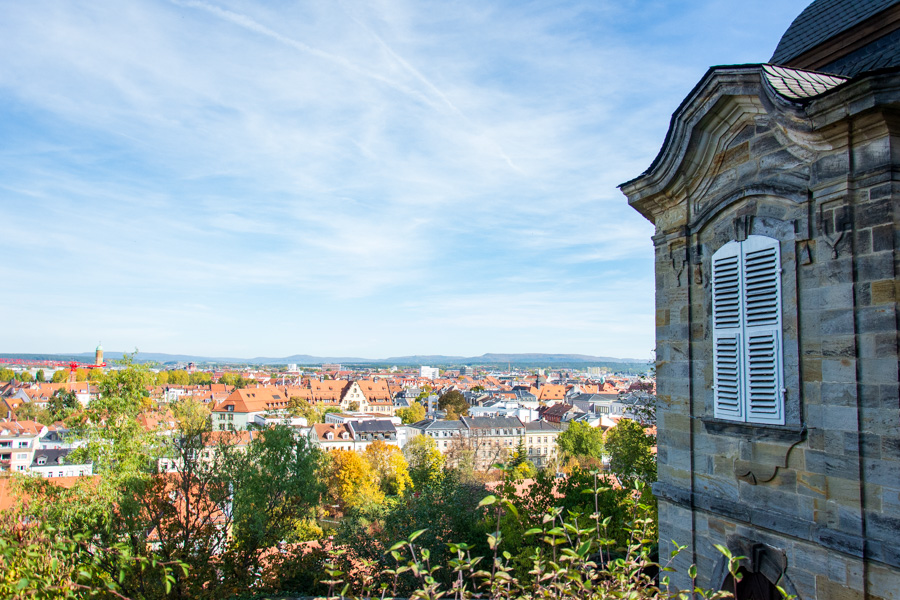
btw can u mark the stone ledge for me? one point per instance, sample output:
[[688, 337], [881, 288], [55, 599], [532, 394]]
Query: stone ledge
[[755, 431], [787, 526]]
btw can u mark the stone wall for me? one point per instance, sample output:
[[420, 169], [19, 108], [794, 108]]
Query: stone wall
[[818, 499]]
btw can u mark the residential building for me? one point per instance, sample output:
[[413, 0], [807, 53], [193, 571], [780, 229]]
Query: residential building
[[540, 442], [53, 463], [492, 439], [18, 441], [331, 436], [241, 406], [429, 372]]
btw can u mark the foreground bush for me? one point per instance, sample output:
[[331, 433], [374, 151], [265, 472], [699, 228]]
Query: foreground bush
[[572, 556]]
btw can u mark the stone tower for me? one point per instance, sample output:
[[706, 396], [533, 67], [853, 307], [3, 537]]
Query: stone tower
[[776, 201]]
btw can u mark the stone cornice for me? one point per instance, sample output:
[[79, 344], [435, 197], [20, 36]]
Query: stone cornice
[[724, 99]]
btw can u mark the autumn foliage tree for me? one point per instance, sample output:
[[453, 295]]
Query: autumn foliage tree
[[351, 480], [390, 466], [454, 404], [413, 414], [426, 463]]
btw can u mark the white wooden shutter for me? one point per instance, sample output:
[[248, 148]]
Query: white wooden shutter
[[747, 354], [762, 330], [728, 307]]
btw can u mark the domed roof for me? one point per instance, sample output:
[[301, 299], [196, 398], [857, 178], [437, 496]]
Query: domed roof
[[873, 46]]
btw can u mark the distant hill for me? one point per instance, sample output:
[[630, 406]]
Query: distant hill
[[525, 359]]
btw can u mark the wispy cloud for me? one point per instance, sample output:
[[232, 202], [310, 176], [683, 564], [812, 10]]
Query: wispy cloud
[[370, 178]]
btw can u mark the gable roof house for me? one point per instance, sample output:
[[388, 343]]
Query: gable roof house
[[241, 406], [53, 463], [331, 436], [329, 393], [775, 199]]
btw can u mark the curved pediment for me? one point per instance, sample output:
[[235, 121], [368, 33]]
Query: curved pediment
[[735, 131]]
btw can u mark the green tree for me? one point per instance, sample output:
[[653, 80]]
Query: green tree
[[201, 378], [24, 376], [62, 404], [39, 376], [179, 377], [413, 414], [630, 451], [29, 411], [426, 463], [301, 407], [116, 443], [235, 380], [580, 441], [7, 374], [59, 376], [454, 403], [191, 416]]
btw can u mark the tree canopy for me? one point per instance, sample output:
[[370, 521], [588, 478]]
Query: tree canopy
[[631, 457], [413, 414], [454, 403], [581, 440]]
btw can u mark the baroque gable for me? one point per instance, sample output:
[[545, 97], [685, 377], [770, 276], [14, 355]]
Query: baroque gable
[[735, 136]]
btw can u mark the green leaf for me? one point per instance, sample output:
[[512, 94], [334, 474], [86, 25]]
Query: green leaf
[[416, 534], [487, 501]]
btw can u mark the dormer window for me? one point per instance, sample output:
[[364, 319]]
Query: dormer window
[[329, 436], [42, 460]]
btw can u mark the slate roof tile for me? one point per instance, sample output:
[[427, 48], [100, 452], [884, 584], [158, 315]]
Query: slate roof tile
[[822, 20]]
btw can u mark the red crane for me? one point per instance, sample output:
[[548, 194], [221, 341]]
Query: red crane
[[73, 370]]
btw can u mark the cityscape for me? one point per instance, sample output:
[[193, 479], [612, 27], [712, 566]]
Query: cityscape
[[469, 300]]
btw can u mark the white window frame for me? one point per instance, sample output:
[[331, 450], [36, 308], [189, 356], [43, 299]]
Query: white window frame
[[748, 354]]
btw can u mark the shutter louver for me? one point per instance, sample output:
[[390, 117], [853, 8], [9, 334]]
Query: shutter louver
[[761, 274], [727, 318], [727, 290], [747, 354], [764, 397], [762, 330], [727, 359]]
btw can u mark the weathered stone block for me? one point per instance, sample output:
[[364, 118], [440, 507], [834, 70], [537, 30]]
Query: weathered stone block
[[875, 267], [811, 370], [842, 370], [882, 472], [838, 394], [878, 370], [883, 238], [875, 319], [836, 322], [883, 291]]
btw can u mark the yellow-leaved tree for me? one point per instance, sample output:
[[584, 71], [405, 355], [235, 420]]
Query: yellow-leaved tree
[[352, 482], [391, 466]]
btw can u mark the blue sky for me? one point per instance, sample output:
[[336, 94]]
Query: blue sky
[[370, 179]]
